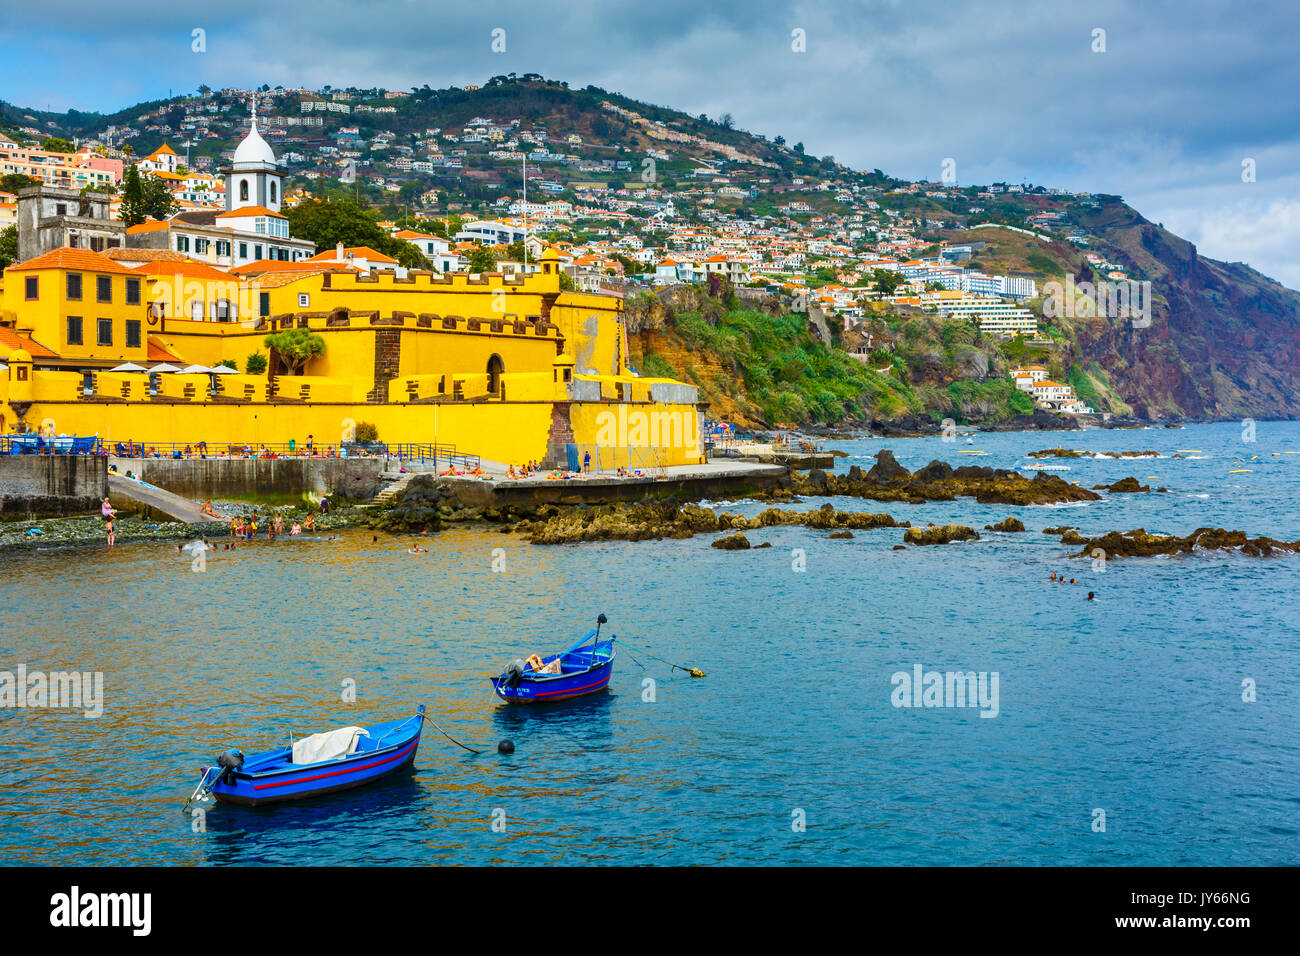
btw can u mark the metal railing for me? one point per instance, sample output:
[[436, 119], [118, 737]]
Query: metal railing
[[33, 444], [434, 454]]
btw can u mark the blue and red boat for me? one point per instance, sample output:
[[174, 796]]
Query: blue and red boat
[[322, 763], [583, 669]]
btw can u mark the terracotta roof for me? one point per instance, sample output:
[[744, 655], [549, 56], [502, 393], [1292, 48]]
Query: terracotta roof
[[153, 225], [67, 258], [147, 255], [263, 266], [13, 340], [358, 252], [188, 268], [251, 211], [158, 352], [275, 280]]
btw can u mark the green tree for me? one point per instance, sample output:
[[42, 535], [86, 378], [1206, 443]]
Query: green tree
[[887, 281], [159, 203], [57, 144], [144, 198], [12, 182], [255, 364], [482, 259], [132, 209], [295, 347], [8, 246], [327, 222]]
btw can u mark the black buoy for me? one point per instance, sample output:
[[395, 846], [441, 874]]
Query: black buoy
[[506, 746]]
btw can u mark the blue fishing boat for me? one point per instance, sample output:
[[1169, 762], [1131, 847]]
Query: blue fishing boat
[[322, 763], [585, 668]]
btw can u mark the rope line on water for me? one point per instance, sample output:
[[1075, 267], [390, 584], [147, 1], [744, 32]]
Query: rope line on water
[[451, 738], [693, 671]]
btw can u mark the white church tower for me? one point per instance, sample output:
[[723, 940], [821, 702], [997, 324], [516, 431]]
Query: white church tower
[[253, 178]]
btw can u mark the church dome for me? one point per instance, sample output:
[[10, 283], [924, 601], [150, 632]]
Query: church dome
[[254, 149]]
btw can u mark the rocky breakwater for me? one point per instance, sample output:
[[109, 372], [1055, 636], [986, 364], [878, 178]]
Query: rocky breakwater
[[1138, 543], [656, 520], [887, 480], [1075, 453]]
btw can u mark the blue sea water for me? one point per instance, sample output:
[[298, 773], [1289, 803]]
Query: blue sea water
[[1132, 705]]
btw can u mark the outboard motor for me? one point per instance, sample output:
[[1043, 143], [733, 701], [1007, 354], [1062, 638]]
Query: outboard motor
[[229, 761], [513, 673]]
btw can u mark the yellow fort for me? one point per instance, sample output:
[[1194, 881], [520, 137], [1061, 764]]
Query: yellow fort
[[508, 367]]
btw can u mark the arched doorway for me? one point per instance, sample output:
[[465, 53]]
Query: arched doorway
[[494, 369]]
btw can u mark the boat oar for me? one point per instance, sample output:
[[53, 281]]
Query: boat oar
[[693, 671]]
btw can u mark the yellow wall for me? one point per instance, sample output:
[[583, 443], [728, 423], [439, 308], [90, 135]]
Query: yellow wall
[[45, 317], [587, 327], [509, 432]]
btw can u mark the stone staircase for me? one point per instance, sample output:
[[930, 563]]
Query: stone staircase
[[393, 488]]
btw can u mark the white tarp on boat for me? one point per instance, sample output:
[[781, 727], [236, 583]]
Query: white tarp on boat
[[331, 745]]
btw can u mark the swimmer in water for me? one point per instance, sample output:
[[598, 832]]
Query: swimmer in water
[[1091, 596], [1053, 577]]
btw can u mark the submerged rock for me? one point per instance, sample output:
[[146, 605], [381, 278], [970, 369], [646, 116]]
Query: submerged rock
[[1010, 524], [1128, 485], [1138, 543], [733, 542], [940, 534], [939, 481], [840, 534]]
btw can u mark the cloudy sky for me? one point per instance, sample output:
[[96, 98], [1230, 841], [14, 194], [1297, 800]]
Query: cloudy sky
[[1163, 107]]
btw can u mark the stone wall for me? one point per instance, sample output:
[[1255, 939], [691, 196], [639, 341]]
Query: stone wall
[[356, 479], [45, 486]]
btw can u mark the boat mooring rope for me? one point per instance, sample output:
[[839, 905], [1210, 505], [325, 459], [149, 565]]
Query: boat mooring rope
[[453, 739], [693, 671]]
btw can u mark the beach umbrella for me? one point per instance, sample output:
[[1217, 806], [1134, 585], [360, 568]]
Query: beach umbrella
[[129, 367], [164, 367], [195, 370], [223, 370]]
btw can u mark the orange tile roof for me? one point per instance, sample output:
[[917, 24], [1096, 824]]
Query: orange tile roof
[[188, 268], [251, 211], [359, 252], [147, 255], [82, 260], [13, 340], [158, 352], [266, 266], [153, 225]]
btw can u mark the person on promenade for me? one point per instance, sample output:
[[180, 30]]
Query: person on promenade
[[586, 461]]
